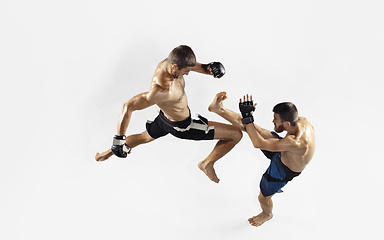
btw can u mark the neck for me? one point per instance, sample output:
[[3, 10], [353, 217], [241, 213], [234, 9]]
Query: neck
[[292, 130]]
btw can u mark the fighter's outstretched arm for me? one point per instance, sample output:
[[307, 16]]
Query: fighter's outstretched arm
[[138, 102], [119, 148]]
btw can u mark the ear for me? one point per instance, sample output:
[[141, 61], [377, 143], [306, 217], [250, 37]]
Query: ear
[[286, 124], [174, 66]]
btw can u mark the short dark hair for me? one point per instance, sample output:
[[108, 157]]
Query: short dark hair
[[287, 112], [182, 56]]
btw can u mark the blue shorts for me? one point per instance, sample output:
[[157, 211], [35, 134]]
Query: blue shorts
[[277, 174], [193, 129]]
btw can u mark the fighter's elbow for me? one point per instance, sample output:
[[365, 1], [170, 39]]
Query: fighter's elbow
[[260, 143], [134, 103], [256, 144], [128, 107]]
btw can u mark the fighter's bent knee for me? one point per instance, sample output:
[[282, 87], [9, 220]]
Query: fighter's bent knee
[[238, 135], [226, 132]]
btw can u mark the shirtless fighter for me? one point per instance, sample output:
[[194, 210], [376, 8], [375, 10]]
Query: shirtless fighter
[[289, 155], [167, 92]]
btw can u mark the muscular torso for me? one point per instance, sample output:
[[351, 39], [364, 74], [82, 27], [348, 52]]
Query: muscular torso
[[174, 102], [298, 158]]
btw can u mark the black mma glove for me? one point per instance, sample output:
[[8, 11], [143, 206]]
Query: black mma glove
[[247, 108], [119, 148], [217, 68]]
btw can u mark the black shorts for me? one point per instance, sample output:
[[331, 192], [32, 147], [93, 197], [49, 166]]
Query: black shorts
[[193, 129]]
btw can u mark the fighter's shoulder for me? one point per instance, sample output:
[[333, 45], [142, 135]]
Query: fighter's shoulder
[[160, 82], [157, 93], [305, 121], [160, 67], [291, 141], [161, 78]]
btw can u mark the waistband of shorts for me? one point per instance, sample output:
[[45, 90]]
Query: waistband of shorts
[[289, 174], [182, 124]]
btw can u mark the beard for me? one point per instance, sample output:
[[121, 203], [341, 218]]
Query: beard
[[279, 128]]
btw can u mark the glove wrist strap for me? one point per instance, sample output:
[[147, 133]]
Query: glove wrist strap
[[247, 120], [119, 140]]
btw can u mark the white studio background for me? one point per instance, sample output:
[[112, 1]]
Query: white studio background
[[66, 68]]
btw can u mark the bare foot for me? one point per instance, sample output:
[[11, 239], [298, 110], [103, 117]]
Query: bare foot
[[260, 219], [208, 169], [103, 156], [217, 103]]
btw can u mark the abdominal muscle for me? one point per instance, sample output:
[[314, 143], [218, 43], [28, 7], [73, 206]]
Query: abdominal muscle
[[175, 110]]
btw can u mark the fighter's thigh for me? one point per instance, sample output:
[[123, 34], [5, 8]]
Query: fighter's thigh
[[137, 139], [146, 137], [226, 131]]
